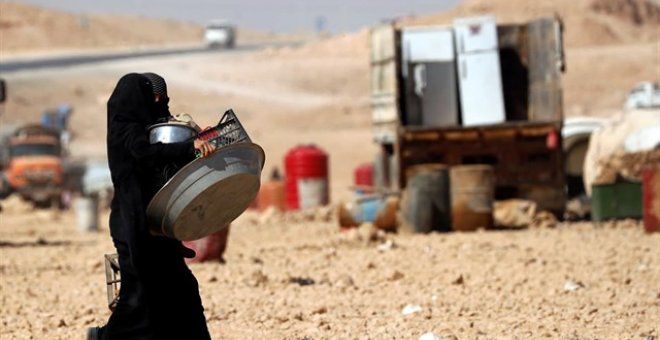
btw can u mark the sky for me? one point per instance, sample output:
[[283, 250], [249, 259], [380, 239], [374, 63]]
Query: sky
[[266, 15]]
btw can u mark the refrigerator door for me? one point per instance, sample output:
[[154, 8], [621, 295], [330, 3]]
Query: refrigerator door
[[428, 44], [475, 34], [430, 77], [480, 85], [439, 96]]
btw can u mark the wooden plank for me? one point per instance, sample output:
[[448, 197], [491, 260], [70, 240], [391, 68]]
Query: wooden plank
[[545, 66]]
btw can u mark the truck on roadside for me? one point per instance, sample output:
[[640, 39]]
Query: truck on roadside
[[475, 92], [645, 95], [220, 34], [33, 168]]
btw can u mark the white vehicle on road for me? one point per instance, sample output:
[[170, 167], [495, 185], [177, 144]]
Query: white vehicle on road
[[219, 34]]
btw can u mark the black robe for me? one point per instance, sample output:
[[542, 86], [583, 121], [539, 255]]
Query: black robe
[[159, 296]]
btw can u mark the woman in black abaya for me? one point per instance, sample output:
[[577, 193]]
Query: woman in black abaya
[[159, 296]]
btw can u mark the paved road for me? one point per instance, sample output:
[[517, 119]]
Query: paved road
[[72, 60]]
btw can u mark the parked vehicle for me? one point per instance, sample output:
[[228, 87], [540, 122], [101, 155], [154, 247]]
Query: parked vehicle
[[645, 95], [576, 133], [34, 168], [474, 92], [220, 34]]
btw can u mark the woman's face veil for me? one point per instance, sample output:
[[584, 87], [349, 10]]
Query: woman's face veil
[[132, 101]]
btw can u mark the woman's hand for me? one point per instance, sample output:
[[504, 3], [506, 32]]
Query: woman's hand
[[203, 147]]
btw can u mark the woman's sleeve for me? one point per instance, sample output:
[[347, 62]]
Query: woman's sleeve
[[136, 142]]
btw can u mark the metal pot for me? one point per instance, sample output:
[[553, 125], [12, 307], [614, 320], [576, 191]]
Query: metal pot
[[208, 193], [167, 133]]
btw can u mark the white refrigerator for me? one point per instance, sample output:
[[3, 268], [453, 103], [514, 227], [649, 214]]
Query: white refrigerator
[[479, 75], [429, 70]]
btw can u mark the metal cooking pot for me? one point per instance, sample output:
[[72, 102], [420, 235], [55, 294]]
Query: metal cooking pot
[[170, 132], [208, 193]]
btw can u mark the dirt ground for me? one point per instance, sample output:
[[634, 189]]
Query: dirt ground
[[306, 280], [303, 279]]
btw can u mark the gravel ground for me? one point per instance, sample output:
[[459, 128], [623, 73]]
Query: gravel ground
[[291, 278]]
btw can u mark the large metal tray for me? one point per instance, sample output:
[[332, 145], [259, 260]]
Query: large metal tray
[[208, 193]]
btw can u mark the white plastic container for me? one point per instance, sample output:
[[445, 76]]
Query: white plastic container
[[87, 214]]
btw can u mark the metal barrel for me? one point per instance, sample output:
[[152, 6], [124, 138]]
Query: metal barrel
[[426, 205], [472, 194], [651, 198], [306, 177]]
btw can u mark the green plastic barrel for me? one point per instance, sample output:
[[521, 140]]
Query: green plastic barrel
[[618, 200]]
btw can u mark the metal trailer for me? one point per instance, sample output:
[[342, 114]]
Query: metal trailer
[[525, 150]]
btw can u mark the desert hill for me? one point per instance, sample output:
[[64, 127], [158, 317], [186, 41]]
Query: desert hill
[[30, 28], [594, 22], [587, 23]]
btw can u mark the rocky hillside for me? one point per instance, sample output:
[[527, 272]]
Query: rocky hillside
[[30, 28]]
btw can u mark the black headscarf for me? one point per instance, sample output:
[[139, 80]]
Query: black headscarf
[[131, 101], [131, 110]]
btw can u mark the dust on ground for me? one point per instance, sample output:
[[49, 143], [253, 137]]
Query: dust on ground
[[305, 279]]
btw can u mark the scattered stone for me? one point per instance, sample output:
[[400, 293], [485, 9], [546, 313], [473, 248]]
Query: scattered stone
[[365, 234], [282, 318], [256, 279], [571, 286], [320, 310], [514, 213], [429, 336], [325, 280], [368, 233], [324, 214], [302, 281], [577, 208], [411, 309], [62, 323], [448, 336], [395, 275], [269, 216], [386, 246], [544, 219], [459, 281], [344, 281]]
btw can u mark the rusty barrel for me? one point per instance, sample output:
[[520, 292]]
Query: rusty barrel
[[651, 193], [306, 178], [472, 194], [425, 205]]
